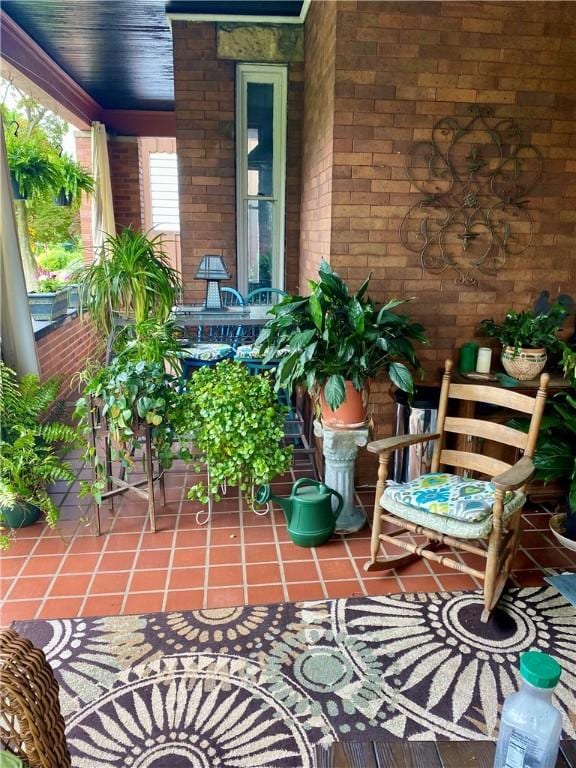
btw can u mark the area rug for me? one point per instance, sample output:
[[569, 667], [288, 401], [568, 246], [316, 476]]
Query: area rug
[[262, 686]]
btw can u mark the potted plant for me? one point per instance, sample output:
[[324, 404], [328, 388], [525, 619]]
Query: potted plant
[[526, 339], [131, 278], [334, 342], [32, 166], [71, 181], [30, 450], [50, 299], [238, 428]]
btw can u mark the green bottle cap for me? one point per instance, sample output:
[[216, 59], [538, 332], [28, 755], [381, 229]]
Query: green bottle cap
[[539, 669]]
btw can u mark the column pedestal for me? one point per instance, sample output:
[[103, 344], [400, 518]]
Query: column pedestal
[[340, 448]]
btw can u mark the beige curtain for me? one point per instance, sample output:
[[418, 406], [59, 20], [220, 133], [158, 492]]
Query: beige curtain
[[102, 204], [18, 343]]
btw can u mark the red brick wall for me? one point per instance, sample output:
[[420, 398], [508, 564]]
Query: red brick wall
[[318, 139], [64, 351], [125, 177], [84, 157], [399, 67], [205, 135]]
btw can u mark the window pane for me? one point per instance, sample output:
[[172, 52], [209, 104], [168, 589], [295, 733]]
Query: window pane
[[260, 241], [164, 191], [260, 105]]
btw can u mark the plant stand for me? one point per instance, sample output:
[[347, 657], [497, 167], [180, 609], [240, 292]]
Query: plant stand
[[117, 485], [340, 448]]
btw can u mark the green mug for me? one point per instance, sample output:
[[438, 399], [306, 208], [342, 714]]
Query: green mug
[[467, 359]]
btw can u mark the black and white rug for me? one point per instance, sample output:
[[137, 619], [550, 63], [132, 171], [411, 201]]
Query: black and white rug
[[262, 686]]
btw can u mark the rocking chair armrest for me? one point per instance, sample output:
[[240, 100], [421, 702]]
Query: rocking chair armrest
[[389, 444], [515, 477]]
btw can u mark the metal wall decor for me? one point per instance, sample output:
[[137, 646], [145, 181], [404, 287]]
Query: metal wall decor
[[475, 174]]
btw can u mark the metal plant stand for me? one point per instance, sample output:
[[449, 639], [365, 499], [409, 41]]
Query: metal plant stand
[[340, 448], [117, 485]]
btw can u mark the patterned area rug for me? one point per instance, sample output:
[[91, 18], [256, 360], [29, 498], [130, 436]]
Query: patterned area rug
[[261, 686]]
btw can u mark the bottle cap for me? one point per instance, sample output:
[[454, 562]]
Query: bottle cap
[[540, 669]]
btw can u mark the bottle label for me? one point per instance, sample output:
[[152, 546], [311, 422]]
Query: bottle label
[[521, 751]]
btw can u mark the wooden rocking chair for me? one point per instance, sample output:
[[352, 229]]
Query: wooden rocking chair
[[453, 510]]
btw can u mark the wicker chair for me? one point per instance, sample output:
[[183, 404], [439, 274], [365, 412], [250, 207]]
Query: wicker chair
[[31, 725]]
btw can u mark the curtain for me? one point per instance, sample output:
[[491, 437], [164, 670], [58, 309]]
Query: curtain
[[103, 223], [18, 343]]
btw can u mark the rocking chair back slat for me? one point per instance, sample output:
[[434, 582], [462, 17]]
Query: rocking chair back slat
[[475, 462], [499, 433], [494, 396]]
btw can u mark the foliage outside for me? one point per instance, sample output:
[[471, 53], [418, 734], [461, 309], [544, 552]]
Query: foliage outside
[[333, 336], [238, 427], [30, 448]]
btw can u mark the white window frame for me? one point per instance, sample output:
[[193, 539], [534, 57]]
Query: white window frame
[[277, 75]]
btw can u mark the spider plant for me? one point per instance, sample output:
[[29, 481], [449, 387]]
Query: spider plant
[[131, 278]]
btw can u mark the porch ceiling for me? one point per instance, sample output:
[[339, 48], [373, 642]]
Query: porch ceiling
[[120, 51]]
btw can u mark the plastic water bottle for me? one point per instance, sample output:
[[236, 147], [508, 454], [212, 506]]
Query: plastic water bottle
[[530, 727]]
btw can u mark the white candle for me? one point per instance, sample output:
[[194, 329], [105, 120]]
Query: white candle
[[483, 360]]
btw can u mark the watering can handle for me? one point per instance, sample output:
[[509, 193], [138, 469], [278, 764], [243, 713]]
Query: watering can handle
[[338, 509], [303, 481]]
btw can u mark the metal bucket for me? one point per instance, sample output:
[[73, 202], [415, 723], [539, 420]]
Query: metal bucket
[[414, 418]]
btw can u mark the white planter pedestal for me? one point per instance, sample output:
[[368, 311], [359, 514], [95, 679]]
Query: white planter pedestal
[[340, 448]]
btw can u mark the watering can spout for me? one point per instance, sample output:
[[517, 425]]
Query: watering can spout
[[264, 494]]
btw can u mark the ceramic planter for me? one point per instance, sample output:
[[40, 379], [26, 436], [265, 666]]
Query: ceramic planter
[[523, 364], [558, 526], [48, 306], [353, 412], [20, 515]]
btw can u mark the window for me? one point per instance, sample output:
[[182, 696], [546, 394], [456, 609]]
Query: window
[[164, 191], [260, 175]]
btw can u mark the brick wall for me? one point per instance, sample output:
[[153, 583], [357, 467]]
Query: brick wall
[[84, 157], [125, 177], [205, 134], [399, 67], [64, 350], [318, 139]]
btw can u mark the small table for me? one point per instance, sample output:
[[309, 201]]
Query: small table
[[251, 316]]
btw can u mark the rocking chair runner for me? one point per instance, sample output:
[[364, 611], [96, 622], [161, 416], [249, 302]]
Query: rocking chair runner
[[452, 510]]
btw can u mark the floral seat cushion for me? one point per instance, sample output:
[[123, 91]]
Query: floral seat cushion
[[448, 503], [206, 351]]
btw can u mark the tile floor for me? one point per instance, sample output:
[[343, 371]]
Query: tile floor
[[238, 558]]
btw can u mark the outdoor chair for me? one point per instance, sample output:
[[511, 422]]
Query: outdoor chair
[[453, 509], [31, 725]]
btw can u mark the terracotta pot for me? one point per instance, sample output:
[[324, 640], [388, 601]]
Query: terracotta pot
[[351, 414], [523, 364]]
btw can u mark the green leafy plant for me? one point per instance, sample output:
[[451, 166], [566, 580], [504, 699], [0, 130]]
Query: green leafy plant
[[30, 447], [130, 393], [50, 285], [57, 258], [555, 457], [525, 330], [131, 277], [32, 164], [72, 179], [333, 336], [238, 427]]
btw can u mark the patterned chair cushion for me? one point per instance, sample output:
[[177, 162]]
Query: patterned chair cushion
[[206, 351], [448, 503]]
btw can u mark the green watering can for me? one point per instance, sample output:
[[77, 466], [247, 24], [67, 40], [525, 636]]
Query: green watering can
[[311, 519]]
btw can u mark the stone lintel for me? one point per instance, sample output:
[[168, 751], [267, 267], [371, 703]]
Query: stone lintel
[[261, 43]]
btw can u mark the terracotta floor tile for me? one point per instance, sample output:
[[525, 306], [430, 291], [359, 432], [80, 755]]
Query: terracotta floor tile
[[61, 608], [103, 605], [192, 538], [21, 610], [262, 573], [11, 566], [337, 570], [224, 575], [258, 535], [70, 586], [531, 538], [185, 600], [80, 563], [261, 553], [429, 583], [225, 555], [311, 590], [116, 561], [552, 558], [224, 520], [29, 587], [539, 521], [533, 578], [41, 565], [124, 541], [387, 585], [87, 544], [144, 602], [158, 540], [331, 550], [187, 578], [306, 571], [220, 598], [109, 582], [186, 558], [224, 536], [292, 552], [148, 581], [152, 558], [450, 583], [51, 546], [263, 595], [349, 588]]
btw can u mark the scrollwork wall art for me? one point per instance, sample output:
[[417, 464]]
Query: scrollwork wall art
[[475, 174]]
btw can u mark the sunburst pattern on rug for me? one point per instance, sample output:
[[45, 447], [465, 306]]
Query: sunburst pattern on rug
[[262, 686]]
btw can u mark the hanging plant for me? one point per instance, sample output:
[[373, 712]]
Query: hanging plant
[[32, 166], [72, 181]]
